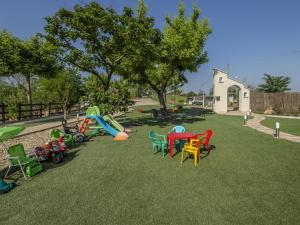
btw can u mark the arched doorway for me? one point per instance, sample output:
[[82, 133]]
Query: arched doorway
[[233, 98]]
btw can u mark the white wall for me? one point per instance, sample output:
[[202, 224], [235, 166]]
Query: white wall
[[220, 91]]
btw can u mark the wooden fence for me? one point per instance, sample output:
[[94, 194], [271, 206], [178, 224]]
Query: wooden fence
[[32, 111], [281, 103], [54, 109], [3, 112]]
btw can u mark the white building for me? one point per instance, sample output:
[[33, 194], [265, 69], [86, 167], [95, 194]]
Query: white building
[[229, 94]]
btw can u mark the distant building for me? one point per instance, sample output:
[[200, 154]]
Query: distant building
[[196, 100], [229, 94]]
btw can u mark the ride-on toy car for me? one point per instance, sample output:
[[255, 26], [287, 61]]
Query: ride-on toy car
[[56, 150]]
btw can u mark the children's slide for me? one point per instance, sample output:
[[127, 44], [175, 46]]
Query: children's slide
[[118, 135], [104, 125], [113, 122]]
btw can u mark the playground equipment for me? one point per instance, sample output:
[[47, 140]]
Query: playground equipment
[[74, 131], [56, 150], [116, 124], [93, 113], [90, 131], [69, 129], [71, 140]]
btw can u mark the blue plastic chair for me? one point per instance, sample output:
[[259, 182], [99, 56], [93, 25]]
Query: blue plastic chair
[[178, 129]]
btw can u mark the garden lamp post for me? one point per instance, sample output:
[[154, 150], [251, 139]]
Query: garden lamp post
[[248, 114], [277, 127], [245, 120]]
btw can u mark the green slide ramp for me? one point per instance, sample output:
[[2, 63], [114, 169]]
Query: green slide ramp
[[94, 111], [113, 122]]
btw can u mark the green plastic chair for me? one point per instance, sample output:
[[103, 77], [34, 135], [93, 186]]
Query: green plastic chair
[[68, 138], [17, 158], [159, 142]]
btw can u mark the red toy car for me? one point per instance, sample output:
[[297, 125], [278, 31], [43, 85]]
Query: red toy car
[[56, 150]]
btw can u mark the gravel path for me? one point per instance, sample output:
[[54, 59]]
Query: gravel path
[[29, 141], [34, 136]]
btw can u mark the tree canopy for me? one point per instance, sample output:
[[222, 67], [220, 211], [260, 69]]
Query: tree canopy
[[274, 84], [167, 55], [90, 38], [26, 58]]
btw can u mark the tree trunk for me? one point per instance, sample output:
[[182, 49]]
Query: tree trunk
[[29, 96], [161, 100], [65, 112]]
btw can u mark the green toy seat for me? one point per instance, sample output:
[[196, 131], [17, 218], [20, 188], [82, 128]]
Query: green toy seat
[[29, 166], [68, 139]]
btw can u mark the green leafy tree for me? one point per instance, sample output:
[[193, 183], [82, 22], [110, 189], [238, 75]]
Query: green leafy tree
[[116, 99], [162, 57], [65, 88], [89, 38], [191, 94], [274, 84], [12, 95], [98, 41], [28, 59]]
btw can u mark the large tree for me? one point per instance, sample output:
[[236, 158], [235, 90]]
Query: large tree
[[116, 99], [89, 38], [99, 41], [160, 59], [25, 60], [274, 84], [65, 88]]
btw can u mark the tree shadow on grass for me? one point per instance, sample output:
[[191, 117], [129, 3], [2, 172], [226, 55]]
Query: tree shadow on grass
[[48, 165], [161, 122], [207, 153], [16, 175]]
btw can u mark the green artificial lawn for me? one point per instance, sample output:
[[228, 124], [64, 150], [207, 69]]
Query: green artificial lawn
[[291, 126], [249, 178]]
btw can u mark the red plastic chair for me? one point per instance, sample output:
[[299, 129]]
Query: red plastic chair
[[205, 142]]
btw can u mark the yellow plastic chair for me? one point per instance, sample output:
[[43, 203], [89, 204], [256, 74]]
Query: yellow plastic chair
[[192, 147]]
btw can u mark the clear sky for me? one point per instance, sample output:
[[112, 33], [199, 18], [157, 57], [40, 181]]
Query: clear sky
[[251, 36]]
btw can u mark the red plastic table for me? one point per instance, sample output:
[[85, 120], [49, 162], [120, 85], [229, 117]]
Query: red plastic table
[[177, 136]]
